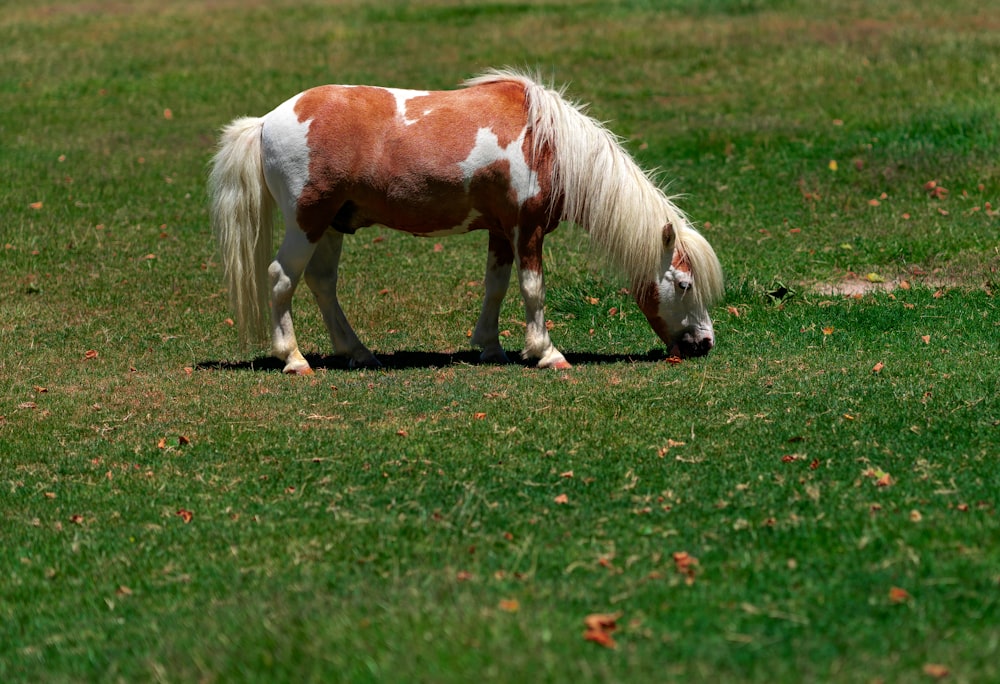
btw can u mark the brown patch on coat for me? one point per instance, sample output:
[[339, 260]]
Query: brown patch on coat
[[407, 176]]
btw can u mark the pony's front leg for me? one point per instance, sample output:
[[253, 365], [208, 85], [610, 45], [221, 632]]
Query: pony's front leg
[[285, 272], [529, 271], [487, 333], [321, 277]]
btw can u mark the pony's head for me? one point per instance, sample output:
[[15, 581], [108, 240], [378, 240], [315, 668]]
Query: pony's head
[[688, 281]]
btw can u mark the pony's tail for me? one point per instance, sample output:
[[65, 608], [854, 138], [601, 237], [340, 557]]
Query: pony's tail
[[243, 220]]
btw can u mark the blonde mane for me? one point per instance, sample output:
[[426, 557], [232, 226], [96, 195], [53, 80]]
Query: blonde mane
[[606, 193]]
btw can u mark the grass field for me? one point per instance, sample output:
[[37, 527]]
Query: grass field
[[816, 500]]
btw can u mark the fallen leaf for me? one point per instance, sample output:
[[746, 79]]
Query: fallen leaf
[[509, 605], [599, 627], [874, 278], [90, 354], [167, 114], [183, 440], [873, 203], [463, 576], [438, 247], [599, 637], [926, 339], [561, 499], [27, 405], [733, 311], [897, 595], [935, 670], [162, 444], [123, 591], [76, 519], [592, 300], [36, 205], [479, 415], [568, 474], [402, 433], [828, 330], [877, 368], [185, 515], [685, 564], [832, 165], [916, 516]]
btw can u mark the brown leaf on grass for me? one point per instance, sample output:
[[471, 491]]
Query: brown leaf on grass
[[601, 638], [877, 368], [90, 354], [185, 515], [936, 670], [898, 595], [926, 339], [27, 405], [463, 576], [76, 519], [479, 415], [599, 627], [561, 499], [162, 444], [509, 605], [41, 390], [168, 114], [733, 311], [183, 440], [568, 474], [36, 205], [685, 564]]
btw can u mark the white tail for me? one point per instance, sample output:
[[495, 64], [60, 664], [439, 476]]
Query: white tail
[[243, 220]]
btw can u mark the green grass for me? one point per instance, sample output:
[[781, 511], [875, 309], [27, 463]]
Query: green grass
[[379, 526]]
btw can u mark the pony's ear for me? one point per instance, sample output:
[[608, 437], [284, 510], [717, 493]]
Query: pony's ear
[[668, 236]]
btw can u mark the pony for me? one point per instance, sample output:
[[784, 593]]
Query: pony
[[503, 153]]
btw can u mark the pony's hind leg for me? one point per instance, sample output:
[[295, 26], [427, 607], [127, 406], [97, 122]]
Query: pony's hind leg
[[529, 272], [497, 279], [321, 277], [285, 272]]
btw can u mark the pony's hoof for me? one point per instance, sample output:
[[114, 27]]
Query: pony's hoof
[[557, 362], [369, 362], [499, 358], [292, 369]]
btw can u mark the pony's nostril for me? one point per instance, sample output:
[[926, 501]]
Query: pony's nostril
[[689, 346]]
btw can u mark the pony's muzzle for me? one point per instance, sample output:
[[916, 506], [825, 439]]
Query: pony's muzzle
[[690, 345]]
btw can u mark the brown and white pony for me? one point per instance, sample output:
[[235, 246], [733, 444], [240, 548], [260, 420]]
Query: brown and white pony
[[504, 154]]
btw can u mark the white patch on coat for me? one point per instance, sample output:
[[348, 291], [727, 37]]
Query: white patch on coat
[[487, 151], [285, 142], [404, 96]]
